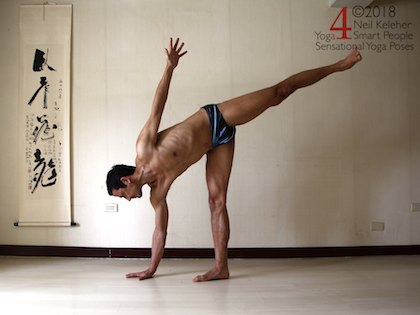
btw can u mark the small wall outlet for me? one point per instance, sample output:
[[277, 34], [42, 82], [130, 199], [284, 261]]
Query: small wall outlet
[[111, 207], [377, 226], [415, 207]]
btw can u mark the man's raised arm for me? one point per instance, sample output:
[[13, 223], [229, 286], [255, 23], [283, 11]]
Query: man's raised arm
[[152, 125]]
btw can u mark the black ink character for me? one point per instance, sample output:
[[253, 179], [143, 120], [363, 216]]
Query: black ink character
[[40, 61], [45, 168], [44, 85], [47, 133]]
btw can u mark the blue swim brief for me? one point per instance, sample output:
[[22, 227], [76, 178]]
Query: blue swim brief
[[221, 132]]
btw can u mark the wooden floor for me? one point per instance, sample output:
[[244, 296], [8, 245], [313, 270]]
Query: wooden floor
[[362, 285]]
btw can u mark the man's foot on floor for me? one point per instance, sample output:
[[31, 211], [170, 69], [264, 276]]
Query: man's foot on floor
[[213, 274]]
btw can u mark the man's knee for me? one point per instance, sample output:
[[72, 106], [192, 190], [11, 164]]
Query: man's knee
[[282, 91], [217, 202]]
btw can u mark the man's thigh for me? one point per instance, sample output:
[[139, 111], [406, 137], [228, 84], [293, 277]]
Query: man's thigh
[[245, 108], [218, 169]]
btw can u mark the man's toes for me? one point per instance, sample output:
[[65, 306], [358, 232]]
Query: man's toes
[[198, 279]]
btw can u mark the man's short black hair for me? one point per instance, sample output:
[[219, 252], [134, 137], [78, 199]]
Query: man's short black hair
[[113, 179]]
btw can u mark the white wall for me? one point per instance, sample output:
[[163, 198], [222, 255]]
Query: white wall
[[315, 171]]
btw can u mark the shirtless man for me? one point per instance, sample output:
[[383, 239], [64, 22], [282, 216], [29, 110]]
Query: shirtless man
[[165, 155]]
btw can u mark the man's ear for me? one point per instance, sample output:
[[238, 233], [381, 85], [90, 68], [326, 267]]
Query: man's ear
[[125, 180]]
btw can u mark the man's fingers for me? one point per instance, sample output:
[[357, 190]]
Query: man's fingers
[[180, 48], [176, 44], [183, 53], [141, 275]]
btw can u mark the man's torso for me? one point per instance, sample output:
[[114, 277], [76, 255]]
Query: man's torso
[[176, 149]]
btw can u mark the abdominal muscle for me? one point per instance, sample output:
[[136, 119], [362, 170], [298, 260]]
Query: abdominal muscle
[[182, 145]]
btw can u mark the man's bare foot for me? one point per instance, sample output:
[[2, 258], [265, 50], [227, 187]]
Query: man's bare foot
[[351, 59], [213, 274]]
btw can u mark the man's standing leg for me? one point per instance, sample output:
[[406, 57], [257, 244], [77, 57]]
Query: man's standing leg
[[218, 168]]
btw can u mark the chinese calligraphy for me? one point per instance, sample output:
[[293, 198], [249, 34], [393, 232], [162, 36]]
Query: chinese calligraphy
[[40, 61], [44, 85], [43, 145], [47, 133], [43, 169], [38, 66]]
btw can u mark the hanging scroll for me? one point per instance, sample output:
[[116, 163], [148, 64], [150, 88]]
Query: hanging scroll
[[44, 115]]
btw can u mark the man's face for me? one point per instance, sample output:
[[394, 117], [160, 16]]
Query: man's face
[[129, 192]]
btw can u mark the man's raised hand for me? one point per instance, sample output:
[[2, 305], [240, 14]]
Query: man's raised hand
[[174, 53]]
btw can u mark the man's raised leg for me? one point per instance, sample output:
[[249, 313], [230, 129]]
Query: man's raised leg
[[242, 109], [218, 168]]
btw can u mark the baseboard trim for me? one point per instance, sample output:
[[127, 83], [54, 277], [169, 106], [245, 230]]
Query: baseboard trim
[[299, 252]]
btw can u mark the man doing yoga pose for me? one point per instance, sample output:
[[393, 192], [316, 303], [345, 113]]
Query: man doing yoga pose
[[165, 155]]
